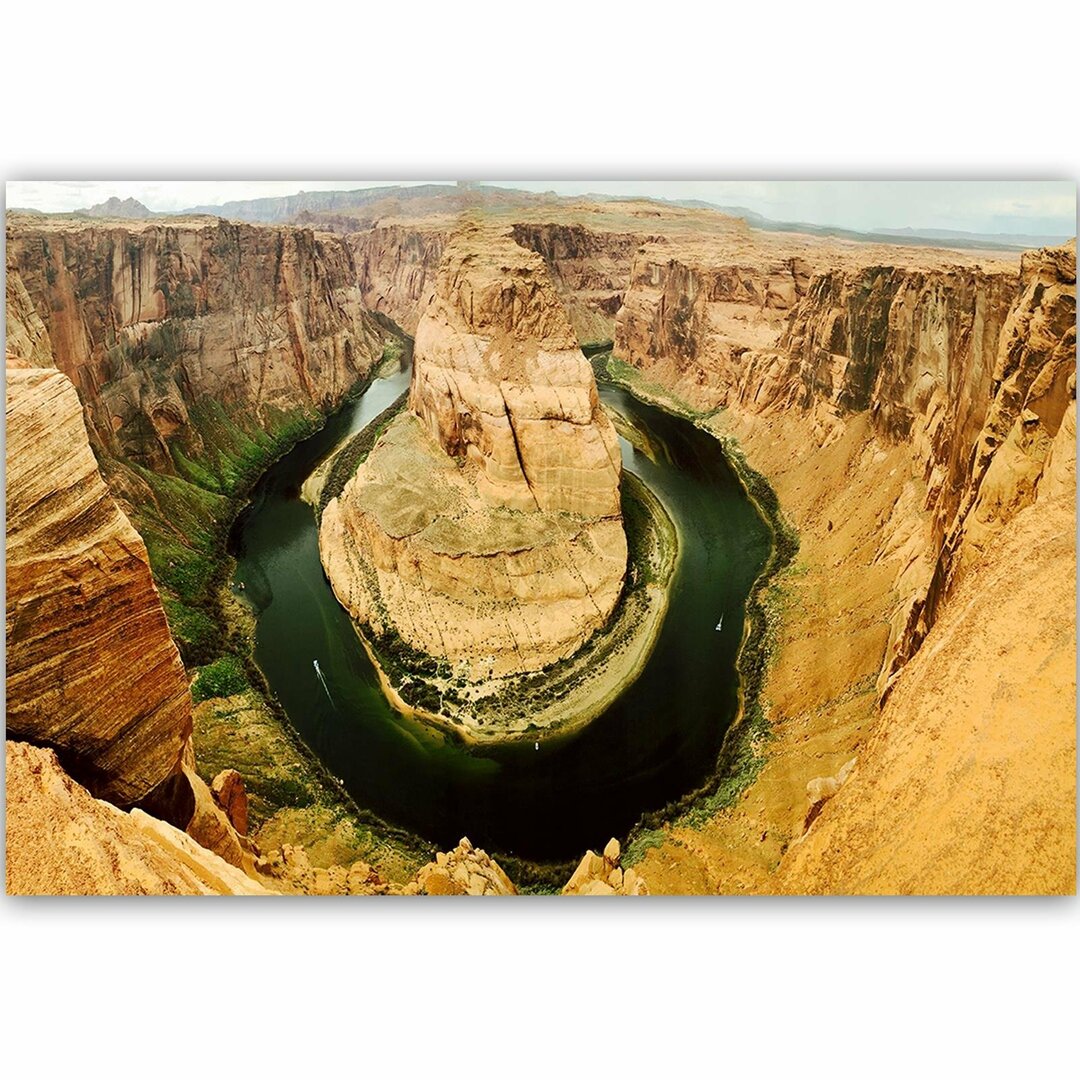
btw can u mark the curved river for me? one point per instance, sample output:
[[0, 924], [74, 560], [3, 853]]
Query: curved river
[[659, 740]]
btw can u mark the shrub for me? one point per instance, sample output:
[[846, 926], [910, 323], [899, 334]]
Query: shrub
[[222, 678]]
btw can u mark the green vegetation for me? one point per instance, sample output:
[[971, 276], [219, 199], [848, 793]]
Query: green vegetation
[[642, 841], [393, 350], [184, 521], [237, 449], [195, 633], [292, 799], [179, 299], [222, 678], [355, 452], [609, 367]]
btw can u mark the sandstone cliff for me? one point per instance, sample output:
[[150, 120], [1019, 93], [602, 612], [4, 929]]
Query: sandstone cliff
[[165, 327], [588, 252], [943, 351], [507, 552], [499, 378], [914, 414], [589, 267], [396, 267], [91, 668]]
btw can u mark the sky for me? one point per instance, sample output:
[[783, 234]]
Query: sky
[[1005, 206]]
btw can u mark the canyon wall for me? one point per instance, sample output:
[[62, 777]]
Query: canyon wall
[[182, 336], [915, 412], [968, 783], [396, 264], [590, 270], [92, 671], [946, 357], [396, 267], [91, 668], [508, 551]]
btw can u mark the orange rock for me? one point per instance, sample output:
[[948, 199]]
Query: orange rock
[[229, 793]]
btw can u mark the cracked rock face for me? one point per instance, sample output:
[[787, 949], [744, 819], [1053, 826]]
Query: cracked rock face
[[485, 526], [500, 379]]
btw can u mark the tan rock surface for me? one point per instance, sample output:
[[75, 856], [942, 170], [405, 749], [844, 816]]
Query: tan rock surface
[[412, 547], [949, 451], [485, 527], [91, 668], [603, 875], [969, 783], [498, 377], [61, 840], [465, 871], [228, 791]]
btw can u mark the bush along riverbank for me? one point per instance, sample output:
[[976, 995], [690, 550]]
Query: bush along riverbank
[[743, 752]]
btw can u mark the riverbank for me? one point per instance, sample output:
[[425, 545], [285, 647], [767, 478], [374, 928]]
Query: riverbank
[[747, 745], [827, 626], [637, 727], [238, 723]]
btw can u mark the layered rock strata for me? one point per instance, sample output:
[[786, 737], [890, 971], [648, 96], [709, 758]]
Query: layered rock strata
[[91, 668], [485, 526], [964, 360], [916, 418], [588, 258], [162, 326]]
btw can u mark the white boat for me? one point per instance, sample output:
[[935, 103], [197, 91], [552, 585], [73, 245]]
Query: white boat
[[720, 624]]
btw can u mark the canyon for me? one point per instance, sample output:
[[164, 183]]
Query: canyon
[[912, 408]]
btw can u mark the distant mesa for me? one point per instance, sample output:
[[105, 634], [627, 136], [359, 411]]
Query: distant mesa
[[119, 208]]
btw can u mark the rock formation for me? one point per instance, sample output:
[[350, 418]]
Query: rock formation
[[914, 410], [228, 791], [499, 378], [968, 784], [92, 671], [485, 526], [588, 256], [918, 402], [61, 840], [940, 349], [603, 875], [91, 668], [465, 871], [396, 267]]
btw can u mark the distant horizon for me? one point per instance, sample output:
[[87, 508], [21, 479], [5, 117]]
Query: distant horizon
[[983, 207]]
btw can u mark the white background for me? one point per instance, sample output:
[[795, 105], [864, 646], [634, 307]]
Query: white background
[[665, 988]]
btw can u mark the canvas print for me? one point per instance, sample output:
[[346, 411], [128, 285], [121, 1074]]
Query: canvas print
[[567, 538]]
